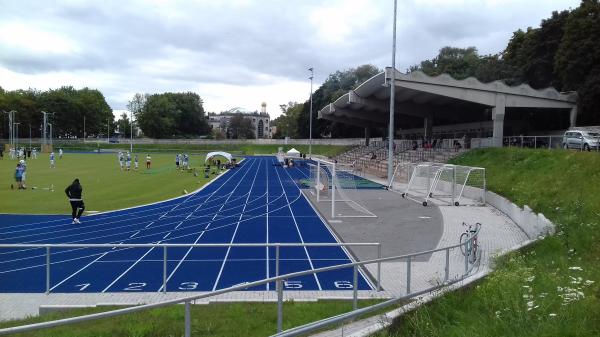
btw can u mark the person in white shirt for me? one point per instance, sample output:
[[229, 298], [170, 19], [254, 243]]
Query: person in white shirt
[[52, 159], [128, 161]]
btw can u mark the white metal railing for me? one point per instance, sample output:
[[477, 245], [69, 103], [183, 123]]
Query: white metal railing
[[279, 279], [166, 246]]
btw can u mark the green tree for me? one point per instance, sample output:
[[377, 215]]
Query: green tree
[[170, 115], [124, 125], [459, 63], [336, 85], [577, 62]]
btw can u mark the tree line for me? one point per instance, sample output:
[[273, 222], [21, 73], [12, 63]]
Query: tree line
[[563, 52], [169, 115], [68, 110]]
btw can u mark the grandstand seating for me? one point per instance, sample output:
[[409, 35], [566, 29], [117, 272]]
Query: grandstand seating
[[372, 159]]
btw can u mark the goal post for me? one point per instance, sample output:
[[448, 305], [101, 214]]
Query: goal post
[[338, 185], [451, 184]]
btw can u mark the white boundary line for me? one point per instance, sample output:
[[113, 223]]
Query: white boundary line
[[236, 229], [203, 231], [298, 229]]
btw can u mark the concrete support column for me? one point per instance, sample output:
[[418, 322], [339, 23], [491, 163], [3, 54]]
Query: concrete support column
[[367, 136], [498, 113], [573, 116], [428, 126]]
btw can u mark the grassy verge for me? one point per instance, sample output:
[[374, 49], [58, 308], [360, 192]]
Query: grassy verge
[[231, 319], [549, 289]]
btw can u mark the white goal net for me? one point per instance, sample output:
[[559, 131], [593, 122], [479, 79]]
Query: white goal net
[[338, 185], [451, 184]]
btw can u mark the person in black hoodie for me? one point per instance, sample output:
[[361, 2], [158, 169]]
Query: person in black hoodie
[[73, 192]]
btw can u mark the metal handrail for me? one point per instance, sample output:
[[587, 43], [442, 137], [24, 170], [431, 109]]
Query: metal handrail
[[279, 282], [165, 247]]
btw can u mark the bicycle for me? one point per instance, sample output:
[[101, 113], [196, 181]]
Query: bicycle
[[468, 243]]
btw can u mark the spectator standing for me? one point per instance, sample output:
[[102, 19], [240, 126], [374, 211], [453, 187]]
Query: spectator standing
[[74, 192]]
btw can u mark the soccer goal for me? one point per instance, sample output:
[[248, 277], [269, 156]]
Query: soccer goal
[[451, 184], [338, 185]]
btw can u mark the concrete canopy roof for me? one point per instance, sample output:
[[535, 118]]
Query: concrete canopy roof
[[419, 95]]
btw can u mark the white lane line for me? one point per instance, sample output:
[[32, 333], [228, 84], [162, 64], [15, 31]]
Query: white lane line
[[298, 229], [189, 197], [150, 224], [205, 229], [167, 235], [134, 234], [141, 258], [128, 269], [235, 231], [267, 221], [77, 272]]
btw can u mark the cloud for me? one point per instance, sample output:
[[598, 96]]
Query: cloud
[[237, 53]]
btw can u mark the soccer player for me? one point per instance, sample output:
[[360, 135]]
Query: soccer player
[[128, 161], [148, 161], [121, 159], [18, 176], [60, 153], [24, 168], [73, 192], [185, 161], [177, 161], [52, 159], [34, 153], [135, 162]]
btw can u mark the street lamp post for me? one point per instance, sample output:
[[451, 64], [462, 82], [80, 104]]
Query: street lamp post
[[11, 131], [51, 142], [131, 131], [16, 136], [310, 115], [390, 170]]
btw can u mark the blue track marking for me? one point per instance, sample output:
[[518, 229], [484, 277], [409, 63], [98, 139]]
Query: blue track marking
[[258, 202]]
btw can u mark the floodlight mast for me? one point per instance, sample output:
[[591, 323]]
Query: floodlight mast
[[17, 135], [311, 69], [11, 131], [390, 169]]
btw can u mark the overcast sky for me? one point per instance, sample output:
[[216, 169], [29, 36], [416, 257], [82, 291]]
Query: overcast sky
[[237, 52]]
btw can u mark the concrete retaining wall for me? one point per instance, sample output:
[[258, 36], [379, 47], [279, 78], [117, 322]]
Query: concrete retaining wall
[[534, 225]]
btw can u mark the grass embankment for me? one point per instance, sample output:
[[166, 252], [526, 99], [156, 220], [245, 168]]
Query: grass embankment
[[549, 289], [232, 319]]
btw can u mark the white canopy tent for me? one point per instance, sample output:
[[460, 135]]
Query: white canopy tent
[[293, 153], [210, 155]]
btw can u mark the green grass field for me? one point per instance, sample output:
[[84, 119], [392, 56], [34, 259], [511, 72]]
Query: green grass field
[[549, 289], [227, 319], [105, 186]]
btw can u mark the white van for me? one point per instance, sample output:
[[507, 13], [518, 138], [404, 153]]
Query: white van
[[581, 139]]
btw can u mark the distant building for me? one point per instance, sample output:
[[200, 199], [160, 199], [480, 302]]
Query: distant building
[[260, 120]]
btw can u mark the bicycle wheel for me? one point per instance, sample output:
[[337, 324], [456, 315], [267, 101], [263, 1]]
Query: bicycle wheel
[[464, 237], [475, 248]]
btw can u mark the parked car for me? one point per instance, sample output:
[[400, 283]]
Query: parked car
[[581, 139]]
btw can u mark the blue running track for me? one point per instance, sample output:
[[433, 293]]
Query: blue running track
[[257, 202]]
